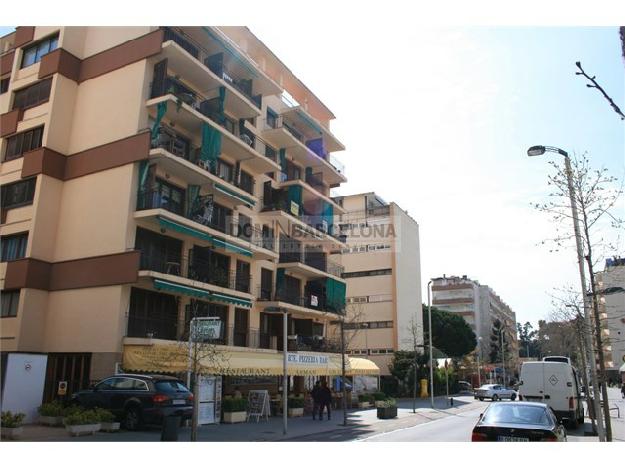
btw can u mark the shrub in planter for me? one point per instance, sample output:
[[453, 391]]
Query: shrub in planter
[[107, 420], [11, 424], [82, 422], [387, 409], [378, 397], [51, 414], [296, 406], [235, 410], [364, 400]]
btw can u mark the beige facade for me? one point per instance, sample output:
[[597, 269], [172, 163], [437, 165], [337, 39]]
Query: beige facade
[[162, 173], [612, 314], [383, 273], [479, 306]]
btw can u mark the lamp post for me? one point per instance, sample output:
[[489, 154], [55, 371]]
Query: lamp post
[[503, 357], [430, 330], [538, 151], [479, 351]]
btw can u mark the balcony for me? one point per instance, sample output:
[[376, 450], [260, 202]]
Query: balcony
[[281, 135], [176, 148], [196, 270], [307, 305], [311, 227], [201, 225], [310, 264], [212, 69], [189, 110]]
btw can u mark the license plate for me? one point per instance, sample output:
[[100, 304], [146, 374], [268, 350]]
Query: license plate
[[512, 439], [180, 402]]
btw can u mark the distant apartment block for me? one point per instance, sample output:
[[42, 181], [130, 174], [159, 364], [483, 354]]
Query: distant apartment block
[[383, 274], [612, 314], [479, 306]]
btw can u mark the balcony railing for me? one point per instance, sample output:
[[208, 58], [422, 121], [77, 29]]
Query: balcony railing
[[315, 260], [197, 270], [243, 85], [310, 301], [170, 141], [207, 107]]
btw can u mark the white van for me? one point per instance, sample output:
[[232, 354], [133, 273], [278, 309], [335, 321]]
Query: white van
[[557, 385]]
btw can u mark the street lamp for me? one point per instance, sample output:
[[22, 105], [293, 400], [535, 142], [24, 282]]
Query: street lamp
[[430, 330], [503, 358], [479, 351], [538, 151]]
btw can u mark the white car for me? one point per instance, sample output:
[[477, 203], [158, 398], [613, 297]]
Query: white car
[[494, 392]]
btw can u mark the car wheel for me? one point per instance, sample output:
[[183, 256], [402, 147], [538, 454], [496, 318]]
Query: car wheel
[[132, 418], [481, 399], [495, 398], [513, 397]]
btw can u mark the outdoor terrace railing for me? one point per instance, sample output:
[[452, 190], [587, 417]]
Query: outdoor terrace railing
[[242, 84], [315, 260], [195, 269]]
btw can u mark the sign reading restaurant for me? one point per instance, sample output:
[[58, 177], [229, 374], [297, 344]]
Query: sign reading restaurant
[[306, 358]]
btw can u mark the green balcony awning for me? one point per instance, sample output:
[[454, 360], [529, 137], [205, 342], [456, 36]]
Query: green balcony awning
[[233, 194], [216, 241], [178, 288]]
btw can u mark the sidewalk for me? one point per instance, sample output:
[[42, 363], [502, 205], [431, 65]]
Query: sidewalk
[[362, 423]]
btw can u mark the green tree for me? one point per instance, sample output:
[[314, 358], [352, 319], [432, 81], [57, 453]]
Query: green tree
[[402, 368], [528, 344], [495, 342], [450, 333]]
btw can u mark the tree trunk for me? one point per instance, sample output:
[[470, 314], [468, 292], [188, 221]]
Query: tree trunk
[[343, 386], [579, 322]]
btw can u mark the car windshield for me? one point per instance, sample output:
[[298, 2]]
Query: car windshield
[[516, 414], [170, 386]]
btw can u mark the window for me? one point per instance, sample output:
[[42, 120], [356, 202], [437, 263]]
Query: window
[[270, 152], [4, 85], [14, 247], [272, 118], [224, 170], [358, 274], [107, 384], [32, 95], [170, 386], [247, 182], [18, 193], [10, 301], [33, 53], [171, 197], [23, 142]]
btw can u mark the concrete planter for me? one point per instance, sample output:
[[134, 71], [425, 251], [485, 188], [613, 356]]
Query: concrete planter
[[11, 433], [51, 420], [364, 404], [109, 426], [83, 429], [295, 412], [387, 413], [235, 417]]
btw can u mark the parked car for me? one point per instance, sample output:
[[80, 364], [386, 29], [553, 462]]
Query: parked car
[[494, 392], [139, 399], [556, 384], [465, 387], [518, 422]]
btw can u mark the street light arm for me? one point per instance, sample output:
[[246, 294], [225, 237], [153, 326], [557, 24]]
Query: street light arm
[[553, 149]]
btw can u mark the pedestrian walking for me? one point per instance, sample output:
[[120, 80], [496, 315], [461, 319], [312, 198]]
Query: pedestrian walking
[[325, 400], [314, 393], [623, 390]]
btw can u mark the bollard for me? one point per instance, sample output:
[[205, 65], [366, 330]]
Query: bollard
[[452, 401], [169, 431]]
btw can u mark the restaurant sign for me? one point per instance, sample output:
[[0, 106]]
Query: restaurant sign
[[307, 359]]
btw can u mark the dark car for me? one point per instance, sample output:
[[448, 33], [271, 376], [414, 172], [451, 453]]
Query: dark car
[[139, 399], [518, 422]]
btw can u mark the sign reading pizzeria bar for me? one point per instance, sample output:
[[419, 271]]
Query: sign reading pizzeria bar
[[311, 359]]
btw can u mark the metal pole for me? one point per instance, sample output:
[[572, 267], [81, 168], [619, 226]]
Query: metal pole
[[343, 383], [582, 276], [190, 360], [285, 378], [503, 359], [479, 371], [447, 381], [414, 390], [430, 330]]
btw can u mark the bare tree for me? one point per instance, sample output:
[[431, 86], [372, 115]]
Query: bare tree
[[597, 194], [598, 87]]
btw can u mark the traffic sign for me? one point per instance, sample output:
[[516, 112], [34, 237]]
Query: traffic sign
[[62, 388]]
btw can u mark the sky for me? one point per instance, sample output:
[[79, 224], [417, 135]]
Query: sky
[[438, 120]]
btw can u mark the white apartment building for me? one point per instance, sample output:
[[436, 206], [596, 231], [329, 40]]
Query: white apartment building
[[612, 314]]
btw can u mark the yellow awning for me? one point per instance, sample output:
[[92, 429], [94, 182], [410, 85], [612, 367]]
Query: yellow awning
[[174, 358]]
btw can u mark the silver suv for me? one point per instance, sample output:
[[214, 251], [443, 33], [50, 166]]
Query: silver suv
[[494, 392]]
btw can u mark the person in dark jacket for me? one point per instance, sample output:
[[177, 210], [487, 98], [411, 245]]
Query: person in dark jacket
[[325, 400], [314, 393]]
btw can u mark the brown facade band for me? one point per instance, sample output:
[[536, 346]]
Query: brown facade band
[[452, 301], [6, 63], [9, 121], [106, 270], [23, 35], [452, 286], [62, 62], [118, 153]]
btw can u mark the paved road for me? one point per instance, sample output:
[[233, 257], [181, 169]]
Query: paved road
[[453, 428]]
